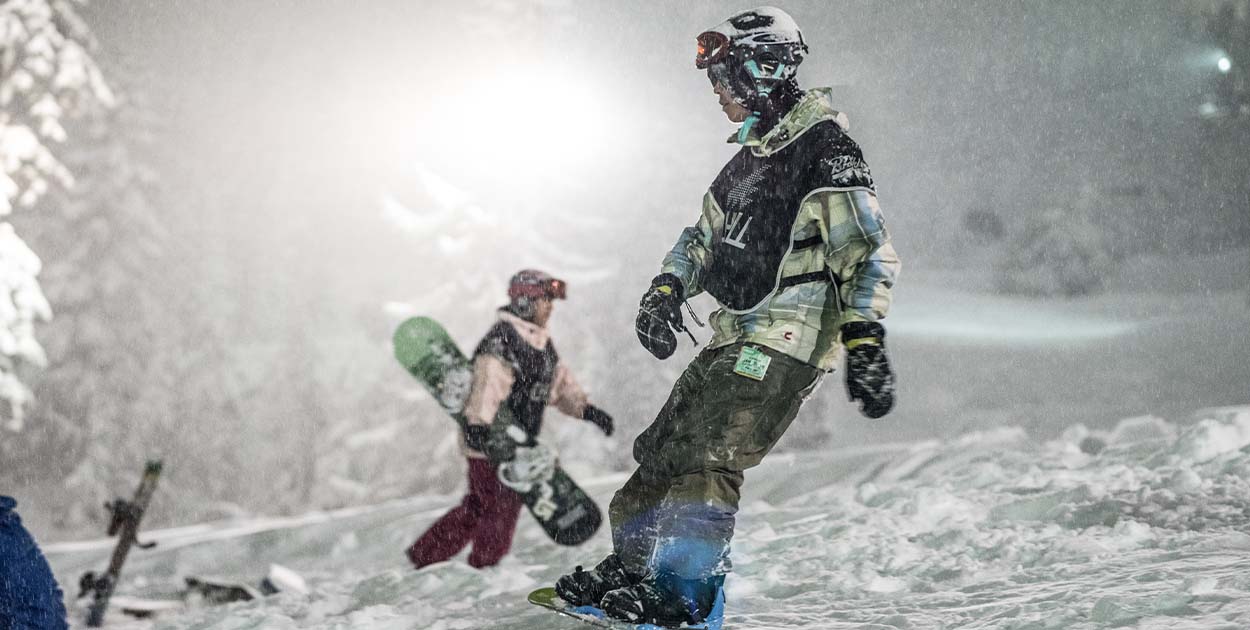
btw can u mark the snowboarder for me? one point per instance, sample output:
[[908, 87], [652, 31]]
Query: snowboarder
[[792, 244], [515, 366], [29, 595]]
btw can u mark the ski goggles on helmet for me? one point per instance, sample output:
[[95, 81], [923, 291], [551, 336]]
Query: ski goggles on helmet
[[533, 285], [713, 47]]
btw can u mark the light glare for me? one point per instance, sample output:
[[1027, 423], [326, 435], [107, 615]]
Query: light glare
[[523, 123]]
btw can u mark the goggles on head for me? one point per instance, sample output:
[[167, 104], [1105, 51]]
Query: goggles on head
[[713, 47], [532, 287]]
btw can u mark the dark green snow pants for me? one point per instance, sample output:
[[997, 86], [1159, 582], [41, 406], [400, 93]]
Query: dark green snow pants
[[676, 512]]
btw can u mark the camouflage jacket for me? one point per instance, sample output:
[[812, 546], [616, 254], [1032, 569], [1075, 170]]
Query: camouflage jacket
[[834, 261]]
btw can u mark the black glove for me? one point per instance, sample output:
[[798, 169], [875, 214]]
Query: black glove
[[496, 445], [869, 379], [599, 418], [659, 314], [477, 436]]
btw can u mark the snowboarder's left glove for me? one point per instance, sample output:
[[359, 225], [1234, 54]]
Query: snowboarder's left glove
[[659, 314], [869, 379], [599, 418], [477, 436]]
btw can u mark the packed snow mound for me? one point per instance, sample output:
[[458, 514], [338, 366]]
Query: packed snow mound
[[1143, 526], [991, 532]]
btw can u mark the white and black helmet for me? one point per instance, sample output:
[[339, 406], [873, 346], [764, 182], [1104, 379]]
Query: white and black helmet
[[752, 53]]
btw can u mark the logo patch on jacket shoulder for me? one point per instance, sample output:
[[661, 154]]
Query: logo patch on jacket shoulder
[[849, 170]]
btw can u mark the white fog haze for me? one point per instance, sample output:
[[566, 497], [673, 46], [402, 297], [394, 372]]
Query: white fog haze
[[219, 212]]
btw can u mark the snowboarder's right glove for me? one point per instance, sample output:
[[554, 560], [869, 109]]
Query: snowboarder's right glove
[[599, 418], [869, 379], [497, 446], [659, 314]]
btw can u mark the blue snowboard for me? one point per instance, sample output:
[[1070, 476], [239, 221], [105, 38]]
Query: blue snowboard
[[547, 598]]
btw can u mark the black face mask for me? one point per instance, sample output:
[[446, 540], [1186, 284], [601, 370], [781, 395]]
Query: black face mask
[[522, 308]]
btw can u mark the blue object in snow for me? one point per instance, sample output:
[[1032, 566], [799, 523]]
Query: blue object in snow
[[590, 615], [29, 596], [714, 621]]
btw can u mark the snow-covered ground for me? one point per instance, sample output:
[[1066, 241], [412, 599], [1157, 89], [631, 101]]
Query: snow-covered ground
[[982, 501], [1141, 526]]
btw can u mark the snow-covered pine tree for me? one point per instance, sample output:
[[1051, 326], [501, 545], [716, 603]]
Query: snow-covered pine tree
[[103, 238], [47, 75]]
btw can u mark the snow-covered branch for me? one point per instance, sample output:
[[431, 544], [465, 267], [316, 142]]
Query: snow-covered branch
[[47, 75]]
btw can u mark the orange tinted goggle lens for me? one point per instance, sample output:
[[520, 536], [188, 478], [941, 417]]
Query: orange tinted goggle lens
[[712, 47]]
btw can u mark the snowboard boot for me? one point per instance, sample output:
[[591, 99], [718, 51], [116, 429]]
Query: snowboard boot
[[664, 600], [586, 588]]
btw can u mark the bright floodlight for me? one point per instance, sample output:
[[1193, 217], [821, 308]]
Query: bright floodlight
[[522, 123], [1224, 64]]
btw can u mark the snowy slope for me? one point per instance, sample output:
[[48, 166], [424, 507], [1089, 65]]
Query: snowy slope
[[990, 530]]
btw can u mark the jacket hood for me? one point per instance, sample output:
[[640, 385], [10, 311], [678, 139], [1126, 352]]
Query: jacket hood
[[533, 334], [816, 106]]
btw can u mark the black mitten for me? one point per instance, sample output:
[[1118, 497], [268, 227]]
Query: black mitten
[[659, 314], [599, 418], [869, 379]]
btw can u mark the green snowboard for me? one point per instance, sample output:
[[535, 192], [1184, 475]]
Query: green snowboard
[[423, 347]]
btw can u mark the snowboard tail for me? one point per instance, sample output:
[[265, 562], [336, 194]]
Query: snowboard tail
[[423, 347], [126, 516]]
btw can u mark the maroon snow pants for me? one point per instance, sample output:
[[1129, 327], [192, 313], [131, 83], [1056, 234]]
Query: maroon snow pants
[[486, 517]]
